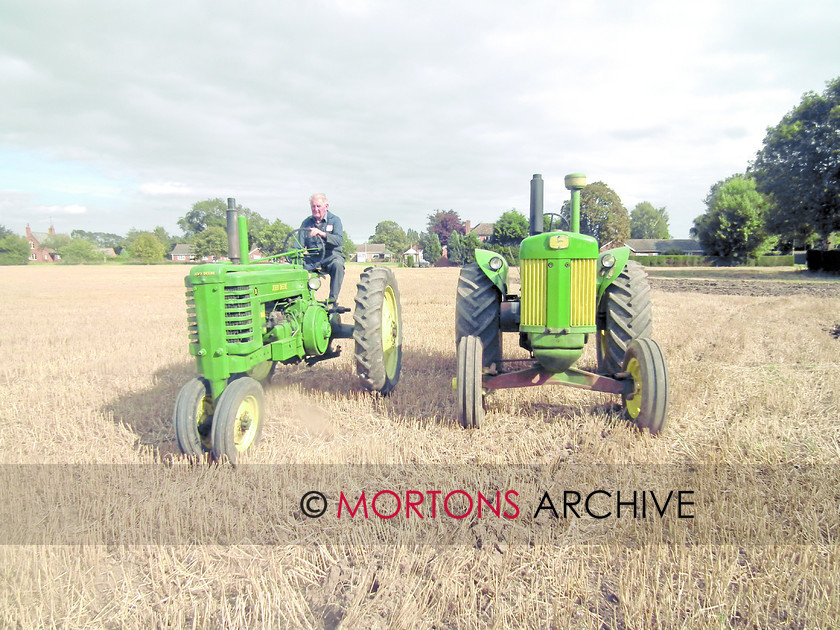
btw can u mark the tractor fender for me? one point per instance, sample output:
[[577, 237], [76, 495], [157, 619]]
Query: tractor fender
[[622, 255], [497, 277]]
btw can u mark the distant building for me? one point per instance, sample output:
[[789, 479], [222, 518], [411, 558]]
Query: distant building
[[416, 254], [37, 251], [482, 231], [370, 252], [183, 252]]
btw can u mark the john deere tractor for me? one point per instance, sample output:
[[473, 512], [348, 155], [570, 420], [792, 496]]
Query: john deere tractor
[[570, 291], [245, 317]]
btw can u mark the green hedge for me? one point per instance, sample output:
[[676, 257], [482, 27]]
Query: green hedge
[[773, 261], [709, 261], [673, 261]]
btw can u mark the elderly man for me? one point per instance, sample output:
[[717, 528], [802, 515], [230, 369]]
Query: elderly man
[[324, 225]]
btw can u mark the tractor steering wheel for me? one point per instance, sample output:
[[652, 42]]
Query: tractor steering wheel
[[295, 250], [553, 215]]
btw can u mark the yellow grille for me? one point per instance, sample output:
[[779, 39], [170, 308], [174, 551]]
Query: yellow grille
[[583, 278], [534, 285]]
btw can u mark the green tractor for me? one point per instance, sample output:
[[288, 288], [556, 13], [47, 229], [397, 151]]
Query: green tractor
[[245, 317], [570, 291]]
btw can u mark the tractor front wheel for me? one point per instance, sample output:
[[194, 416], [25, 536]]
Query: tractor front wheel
[[470, 383], [238, 420], [193, 418], [378, 330], [647, 406]]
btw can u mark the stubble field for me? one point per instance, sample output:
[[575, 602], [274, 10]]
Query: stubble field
[[104, 523]]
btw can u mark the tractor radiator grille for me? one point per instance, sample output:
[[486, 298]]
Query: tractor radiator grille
[[534, 285], [239, 322], [583, 281], [192, 320]]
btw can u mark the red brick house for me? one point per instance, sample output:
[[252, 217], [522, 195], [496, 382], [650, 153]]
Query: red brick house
[[37, 251]]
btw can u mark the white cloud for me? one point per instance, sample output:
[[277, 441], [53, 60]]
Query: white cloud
[[166, 188], [71, 209]]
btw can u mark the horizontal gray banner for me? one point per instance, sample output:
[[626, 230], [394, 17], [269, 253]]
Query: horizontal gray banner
[[183, 502]]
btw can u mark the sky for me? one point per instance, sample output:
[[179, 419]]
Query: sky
[[116, 116]]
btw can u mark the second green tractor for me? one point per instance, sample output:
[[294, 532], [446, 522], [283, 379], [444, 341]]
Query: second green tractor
[[570, 291]]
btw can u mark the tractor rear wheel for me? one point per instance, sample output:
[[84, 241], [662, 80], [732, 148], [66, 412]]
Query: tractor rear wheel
[[193, 418], [624, 314], [478, 308], [378, 330], [470, 383], [238, 420], [647, 406]]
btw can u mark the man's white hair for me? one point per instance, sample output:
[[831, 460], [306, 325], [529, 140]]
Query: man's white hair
[[317, 196]]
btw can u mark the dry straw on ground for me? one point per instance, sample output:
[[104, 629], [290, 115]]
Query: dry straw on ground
[[93, 358]]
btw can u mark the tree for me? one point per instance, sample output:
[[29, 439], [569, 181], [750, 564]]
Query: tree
[[461, 249], [101, 239], [392, 235], [211, 242], [602, 215], [649, 222], [510, 229], [349, 247], [445, 223], [55, 241], [79, 250], [734, 224], [412, 236], [432, 250], [271, 238], [146, 247], [213, 213], [165, 239], [799, 166], [14, 249]]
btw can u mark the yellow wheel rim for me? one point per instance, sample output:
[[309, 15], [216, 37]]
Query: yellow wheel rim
[[390, 332], [634, 401], [246, 423], [204, 421]]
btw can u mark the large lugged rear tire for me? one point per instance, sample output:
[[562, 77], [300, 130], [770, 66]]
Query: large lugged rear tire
[[378, 330], [624, 314], [478, 307]]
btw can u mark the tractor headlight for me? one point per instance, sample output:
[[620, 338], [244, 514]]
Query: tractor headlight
[[314, 283], [495, 263], [607, 263]]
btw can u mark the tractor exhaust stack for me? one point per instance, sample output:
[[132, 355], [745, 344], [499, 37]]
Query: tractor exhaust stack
[[234, 252], [575, 182], [237, 233], [536, 226]]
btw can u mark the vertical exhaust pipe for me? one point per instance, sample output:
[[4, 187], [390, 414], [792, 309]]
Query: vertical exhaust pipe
[[536, 226], [234, 252], [575, 182]]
